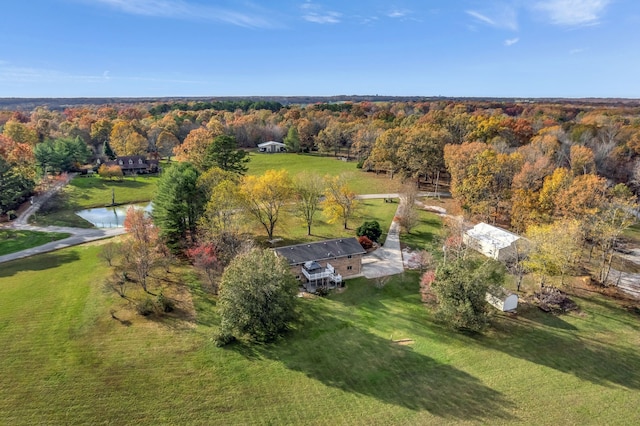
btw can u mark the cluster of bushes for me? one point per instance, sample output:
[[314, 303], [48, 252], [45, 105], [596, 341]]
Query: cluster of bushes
[[149, 306]]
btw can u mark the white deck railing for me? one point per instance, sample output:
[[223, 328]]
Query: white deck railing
[[328, 273]]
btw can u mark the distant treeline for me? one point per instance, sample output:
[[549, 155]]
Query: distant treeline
[[231, 106]]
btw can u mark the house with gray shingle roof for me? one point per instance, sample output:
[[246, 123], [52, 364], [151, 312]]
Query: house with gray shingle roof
[[324, 263]]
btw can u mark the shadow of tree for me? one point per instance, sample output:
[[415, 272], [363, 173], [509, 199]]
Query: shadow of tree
[[348, 358], [534, 314], [604, 364], [44, 261]]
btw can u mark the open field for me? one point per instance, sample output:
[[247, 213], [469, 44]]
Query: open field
[[64, 359], [361, 182], [12, 241]]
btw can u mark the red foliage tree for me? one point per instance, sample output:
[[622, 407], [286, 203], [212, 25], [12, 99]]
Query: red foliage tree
[[205, 259]]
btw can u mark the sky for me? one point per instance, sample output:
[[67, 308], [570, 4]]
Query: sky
[[456, 48]]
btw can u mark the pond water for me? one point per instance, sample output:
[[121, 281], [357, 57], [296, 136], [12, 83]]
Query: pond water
[[110, 217]]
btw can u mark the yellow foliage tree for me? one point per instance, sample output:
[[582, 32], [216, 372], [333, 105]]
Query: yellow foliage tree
[[264, 197], [340, 201], [125, 140]]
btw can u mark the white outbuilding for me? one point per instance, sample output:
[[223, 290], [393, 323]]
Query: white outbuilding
[[272, 146], [492, 241], [502, 299]]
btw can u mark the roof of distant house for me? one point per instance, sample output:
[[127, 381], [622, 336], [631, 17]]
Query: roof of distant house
[[263, 144], [498, 237], [321, 250]]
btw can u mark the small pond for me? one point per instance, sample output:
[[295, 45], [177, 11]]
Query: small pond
[[110, 217]]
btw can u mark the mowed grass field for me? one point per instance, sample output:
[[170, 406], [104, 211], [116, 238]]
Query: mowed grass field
[[12, 240], [360, 182], [365, 356]]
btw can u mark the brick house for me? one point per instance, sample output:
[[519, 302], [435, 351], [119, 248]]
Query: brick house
[[324, 263]]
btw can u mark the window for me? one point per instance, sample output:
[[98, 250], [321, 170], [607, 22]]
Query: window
[[349, 257], [140, 161], [130, 161], [349, 268]]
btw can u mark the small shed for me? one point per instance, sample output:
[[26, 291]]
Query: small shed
[[492, 241], [272, 146], [502, 299]]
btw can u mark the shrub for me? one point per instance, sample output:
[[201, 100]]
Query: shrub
[[370, 229], [146, 307], [165, 304], [365, 242]]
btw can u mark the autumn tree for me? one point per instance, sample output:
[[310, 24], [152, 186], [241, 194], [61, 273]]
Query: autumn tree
[[615, 214], [141, 247], [340, 201], [194, 147], [110, 172], [554, 248], [124, 139], [204, 257], [101, 131], [264, 197], [166, 143], [222, 210], [582, 160], [308, 189], [20, 132], [257, 297]]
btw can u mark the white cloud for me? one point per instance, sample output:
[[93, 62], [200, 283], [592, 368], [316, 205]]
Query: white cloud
[[500, 16], [181, 9], [573, 12], [313, 12], [511, 41], [398, 13], [322, 18]]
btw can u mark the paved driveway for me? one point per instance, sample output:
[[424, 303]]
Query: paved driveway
[[387, 260]]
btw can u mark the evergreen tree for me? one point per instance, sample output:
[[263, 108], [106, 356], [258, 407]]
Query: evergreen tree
[[224, 153], [292, 140], [178, 204]]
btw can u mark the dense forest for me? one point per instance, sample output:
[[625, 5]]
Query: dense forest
[[516, 163]]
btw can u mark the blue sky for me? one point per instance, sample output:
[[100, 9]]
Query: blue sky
[[511, 48]]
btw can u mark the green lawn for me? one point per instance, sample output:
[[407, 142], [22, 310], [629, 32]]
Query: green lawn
[[89, 192], [65, 360], [361, 182], [426, 235], [294, 231], [633, 233], [12, 241]]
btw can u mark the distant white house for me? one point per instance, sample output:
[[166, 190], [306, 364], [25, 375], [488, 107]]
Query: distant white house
[[492, 241], [272, 146]]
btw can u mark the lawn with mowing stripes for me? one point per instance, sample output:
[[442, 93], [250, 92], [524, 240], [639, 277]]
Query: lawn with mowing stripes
[[12, 240], [365, 356], [360, 182]]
